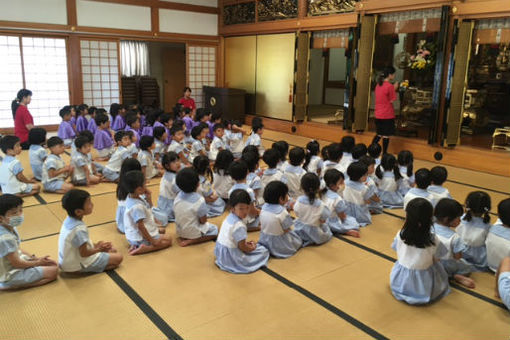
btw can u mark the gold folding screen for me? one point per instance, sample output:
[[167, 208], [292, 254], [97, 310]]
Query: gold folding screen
[[459, 81], [274, 81], [240, 55]]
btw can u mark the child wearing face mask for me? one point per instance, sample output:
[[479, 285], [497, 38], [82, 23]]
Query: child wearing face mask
[[19, 269]]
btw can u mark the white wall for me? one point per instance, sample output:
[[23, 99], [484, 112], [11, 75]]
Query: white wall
[[316, 81], [40, 11], [210, 3], [187, 22], [109, 15]]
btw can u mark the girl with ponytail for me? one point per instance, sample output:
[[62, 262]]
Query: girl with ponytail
[[23, 120], [311, 213], [390, 182], [474, 228]]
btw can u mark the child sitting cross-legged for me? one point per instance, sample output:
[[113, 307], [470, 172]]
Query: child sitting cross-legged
[[55, 170], [18, 268], [146, 158], [12, 179], [111, 170], [191, 211], [233, 252], [85, 172], [76, 252], [37, 153], [142, 230]]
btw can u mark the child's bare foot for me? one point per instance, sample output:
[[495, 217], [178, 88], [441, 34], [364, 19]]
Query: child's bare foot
[[464, 281], [184, 242], [162, 230], [353, 233], [137, 250]]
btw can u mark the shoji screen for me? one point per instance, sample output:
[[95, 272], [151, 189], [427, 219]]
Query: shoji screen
[[11, 77], [100, 72], [201, 70]]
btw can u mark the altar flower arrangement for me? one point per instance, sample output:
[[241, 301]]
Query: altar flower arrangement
[[424, 58]]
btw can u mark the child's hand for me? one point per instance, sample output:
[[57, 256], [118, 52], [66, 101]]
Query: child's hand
[[251, 245], [46, 261]]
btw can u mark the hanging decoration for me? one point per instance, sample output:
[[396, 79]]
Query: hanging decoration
[[425, 56]]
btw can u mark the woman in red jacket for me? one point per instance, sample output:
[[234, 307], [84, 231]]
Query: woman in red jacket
[[385, 95], [23, 120], [187, 101]]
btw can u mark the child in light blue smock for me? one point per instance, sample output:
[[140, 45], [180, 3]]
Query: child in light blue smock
[[390, 182], [422, 180], [474, 227], [418, 277], [252, 179], [447, 215], [405, 161], [128, 164], [438, 175], [55, 171], [338, 221], [37, 153], [233, 252], [498, 239], [238, 170], [276, 232], [357, 195], [311, 213], [215, 204], [168, 190]]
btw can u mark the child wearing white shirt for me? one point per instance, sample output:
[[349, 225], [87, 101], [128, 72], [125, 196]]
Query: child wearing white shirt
[[217, 143]]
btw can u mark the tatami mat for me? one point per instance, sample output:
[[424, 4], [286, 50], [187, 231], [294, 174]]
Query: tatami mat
[[338, 290]]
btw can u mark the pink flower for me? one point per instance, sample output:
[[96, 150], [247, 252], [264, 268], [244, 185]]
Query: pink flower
[[426, 53]]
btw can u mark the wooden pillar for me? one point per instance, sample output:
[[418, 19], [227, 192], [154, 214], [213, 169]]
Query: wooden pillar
[[302, 8], [74, 70], [154, 21]]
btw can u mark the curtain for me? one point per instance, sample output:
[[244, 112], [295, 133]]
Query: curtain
[[134, 58]]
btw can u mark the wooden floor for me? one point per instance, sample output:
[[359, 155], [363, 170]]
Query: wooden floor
[[339, 290]]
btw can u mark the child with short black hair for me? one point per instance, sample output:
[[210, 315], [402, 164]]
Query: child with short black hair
[[81, 122], [438, 175], [177, 146], [168, 190], [222, 182], [238, 170], [160, 135], [84, 170], [405, 161], [417, 276], [128, 164], [313, 163], [103, 141], [191, 211], [359, 150], [253, 180], [76, 252], [390, 182], [422, 179], [55, 171], [233, 252], [271, 157], [36, 152], [257, 130], [18, 268], [294, 172], [215, 204], [474, 227], [12, 179], [165, 120], [447, 215], [357, 195], [275, 222], [234, 137], [374, 150], [338, 220], [217, 143], [498, 239], [334, 157], [311, 213], [375, 206], [65, 129], [111, 170], [142, 230], [149, 166], [92, 126], [133, 125], [118, 114], [283, 148], [198, 134], [348, 143]]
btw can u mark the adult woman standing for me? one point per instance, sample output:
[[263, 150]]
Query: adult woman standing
[[385, 95], [187, 101], [23, 120]]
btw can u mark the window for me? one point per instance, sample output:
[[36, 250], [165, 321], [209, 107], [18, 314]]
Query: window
[[100, 72], [134, 58], [201, 70], [43, 70]]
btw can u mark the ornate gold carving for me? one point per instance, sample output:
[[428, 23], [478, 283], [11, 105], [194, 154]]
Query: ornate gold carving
[[277, 9], [242, 13], [323, 7]]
